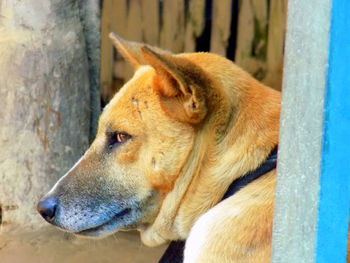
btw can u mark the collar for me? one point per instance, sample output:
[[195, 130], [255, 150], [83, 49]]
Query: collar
[[249, 177], [174, 252]]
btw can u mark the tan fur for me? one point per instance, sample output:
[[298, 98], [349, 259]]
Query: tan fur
[[197, 123], [236, 137], [238, 229], [211, 168]]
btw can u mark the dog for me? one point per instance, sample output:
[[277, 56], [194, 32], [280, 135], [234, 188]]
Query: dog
[[168, 146]]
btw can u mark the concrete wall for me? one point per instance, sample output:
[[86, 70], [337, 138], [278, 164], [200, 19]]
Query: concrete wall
[[45, 103], [49, 69]]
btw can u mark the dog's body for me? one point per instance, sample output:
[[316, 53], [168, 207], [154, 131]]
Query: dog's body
[[168, 146]]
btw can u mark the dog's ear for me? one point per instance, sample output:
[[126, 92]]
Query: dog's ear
[[180, 85], [131, 51]]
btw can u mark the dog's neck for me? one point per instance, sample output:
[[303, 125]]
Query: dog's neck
[[236, 138]]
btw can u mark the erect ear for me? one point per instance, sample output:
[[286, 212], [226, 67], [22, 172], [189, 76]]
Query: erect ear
[[180, 84], [131, 51]]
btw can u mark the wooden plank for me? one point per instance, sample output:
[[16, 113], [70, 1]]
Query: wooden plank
[[245, 34], [119, 17], [252, 37], [113, 20], [133, 32], [107, 60], [312, 192], [195, 24], [134, 21], [173, 27], [150, 21], [221, 26], [275, 43]]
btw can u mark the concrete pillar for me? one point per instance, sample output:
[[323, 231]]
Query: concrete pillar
[[313, 184], [45, 103]]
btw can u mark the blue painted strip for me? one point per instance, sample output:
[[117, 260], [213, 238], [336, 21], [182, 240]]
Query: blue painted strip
[[334, 202]]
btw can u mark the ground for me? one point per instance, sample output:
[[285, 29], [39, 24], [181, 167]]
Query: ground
[[51, 246]]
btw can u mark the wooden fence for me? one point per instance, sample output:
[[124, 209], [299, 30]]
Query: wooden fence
[[249, 32]]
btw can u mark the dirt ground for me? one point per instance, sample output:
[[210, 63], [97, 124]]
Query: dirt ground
[[54, 246]]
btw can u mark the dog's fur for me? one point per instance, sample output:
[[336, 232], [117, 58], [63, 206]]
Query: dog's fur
[[197, 122]]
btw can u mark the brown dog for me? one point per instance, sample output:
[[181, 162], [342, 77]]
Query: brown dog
[[169, 144]]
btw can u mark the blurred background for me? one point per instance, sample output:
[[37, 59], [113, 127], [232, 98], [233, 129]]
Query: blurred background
[[57, 71], [249, 32]]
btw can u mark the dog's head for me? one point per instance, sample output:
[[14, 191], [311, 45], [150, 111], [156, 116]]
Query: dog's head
[[144, 137]]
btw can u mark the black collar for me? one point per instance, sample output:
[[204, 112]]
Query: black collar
[[249, 177], [174, 252]]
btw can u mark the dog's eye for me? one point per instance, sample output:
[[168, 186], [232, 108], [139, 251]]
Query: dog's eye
[[117, 138]]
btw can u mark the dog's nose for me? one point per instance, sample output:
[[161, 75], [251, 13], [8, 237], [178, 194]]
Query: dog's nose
[[47, 208]]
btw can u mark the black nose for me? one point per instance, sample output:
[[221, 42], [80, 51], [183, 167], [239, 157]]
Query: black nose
[[47, 208]]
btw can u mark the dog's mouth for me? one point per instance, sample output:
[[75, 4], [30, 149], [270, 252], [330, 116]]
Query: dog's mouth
[[106, 227]]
